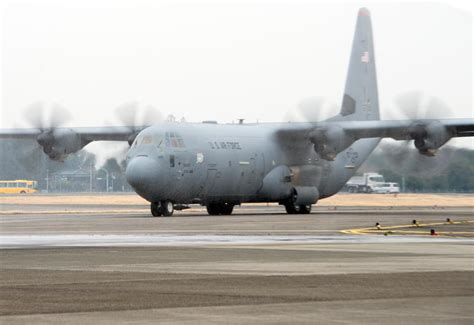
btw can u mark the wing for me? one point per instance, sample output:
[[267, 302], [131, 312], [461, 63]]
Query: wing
[[407, 129], [331, 137], [59, 142], [115, 133]]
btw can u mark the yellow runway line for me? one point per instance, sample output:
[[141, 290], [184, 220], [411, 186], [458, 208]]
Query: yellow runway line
[[399, 229]]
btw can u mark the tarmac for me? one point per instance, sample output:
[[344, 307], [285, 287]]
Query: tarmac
[[116, 264]]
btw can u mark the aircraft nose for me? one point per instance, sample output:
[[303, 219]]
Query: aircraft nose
[[143, 174]]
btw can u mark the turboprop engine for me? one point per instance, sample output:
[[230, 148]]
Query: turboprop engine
[[330, 141], [429, 138], [58, 143]]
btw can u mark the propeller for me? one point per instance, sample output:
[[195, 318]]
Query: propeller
[[401, 156], [312, 109], [415, 105], [132, 114], [46, 118]]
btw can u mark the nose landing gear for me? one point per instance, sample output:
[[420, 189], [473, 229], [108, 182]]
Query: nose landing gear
[[162, 208]]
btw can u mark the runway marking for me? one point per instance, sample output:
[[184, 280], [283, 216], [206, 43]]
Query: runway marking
[[97, 240], [426, 232], [72, 212], [121, 211]]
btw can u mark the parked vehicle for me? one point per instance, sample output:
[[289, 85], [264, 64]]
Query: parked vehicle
[[385, 188], [21, 186], [365, 183]]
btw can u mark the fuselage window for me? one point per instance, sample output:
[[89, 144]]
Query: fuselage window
[[174, 142], [171, 160]]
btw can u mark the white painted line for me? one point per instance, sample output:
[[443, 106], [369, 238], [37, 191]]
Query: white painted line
[[79, 240]]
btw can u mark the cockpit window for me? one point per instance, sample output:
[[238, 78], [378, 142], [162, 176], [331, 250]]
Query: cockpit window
[[147, 140], [174, 140], [156, 139]]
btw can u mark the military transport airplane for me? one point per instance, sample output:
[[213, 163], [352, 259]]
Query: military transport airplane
[[295, 164]]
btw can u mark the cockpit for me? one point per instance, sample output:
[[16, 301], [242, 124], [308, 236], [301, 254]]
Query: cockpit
[[160, 140]]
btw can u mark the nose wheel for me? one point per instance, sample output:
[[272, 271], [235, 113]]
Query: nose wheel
[[163, 208]]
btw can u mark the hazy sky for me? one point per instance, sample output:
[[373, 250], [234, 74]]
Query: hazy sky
[[223, 60]]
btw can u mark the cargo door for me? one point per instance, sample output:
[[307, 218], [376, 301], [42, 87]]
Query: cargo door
[[210, 181]]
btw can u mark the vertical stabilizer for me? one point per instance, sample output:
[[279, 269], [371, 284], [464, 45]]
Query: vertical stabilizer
[[360, 100]]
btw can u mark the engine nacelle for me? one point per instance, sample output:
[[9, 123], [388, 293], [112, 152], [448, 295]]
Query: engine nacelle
[[59, 143], [429, 138], [328, 142]]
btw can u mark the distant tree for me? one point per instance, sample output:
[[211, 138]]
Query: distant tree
[[456, 174]]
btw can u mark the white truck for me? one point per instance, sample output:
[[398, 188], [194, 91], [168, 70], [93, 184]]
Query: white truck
[[367, 183]]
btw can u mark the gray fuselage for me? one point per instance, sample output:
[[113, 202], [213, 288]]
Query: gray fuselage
[[205, 162]]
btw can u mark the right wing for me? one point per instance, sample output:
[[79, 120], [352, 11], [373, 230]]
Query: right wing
[[331, 137]]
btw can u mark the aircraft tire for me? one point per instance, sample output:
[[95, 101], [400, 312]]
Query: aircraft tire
[[226, 208], [155, 209], [217, 209], [291, 208], [305, 209], [167, 208], [213, 209]]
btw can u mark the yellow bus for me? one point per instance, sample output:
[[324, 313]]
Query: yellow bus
[[21, 186]]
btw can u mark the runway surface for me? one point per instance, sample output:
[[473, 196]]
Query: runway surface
[[259, 265]]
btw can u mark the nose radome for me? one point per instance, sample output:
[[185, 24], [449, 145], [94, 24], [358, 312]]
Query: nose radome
[[143, 174]]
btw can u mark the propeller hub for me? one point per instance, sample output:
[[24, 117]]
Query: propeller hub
[[45, 138]]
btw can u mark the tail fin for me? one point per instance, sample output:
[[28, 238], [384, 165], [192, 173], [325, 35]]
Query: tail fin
[[360, 100]]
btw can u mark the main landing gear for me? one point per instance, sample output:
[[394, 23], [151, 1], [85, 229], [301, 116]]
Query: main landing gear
[[163, 208], [292, 208], [215, 209]]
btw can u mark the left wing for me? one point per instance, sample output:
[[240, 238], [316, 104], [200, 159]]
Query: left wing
[[331, 137], [57, 143]]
